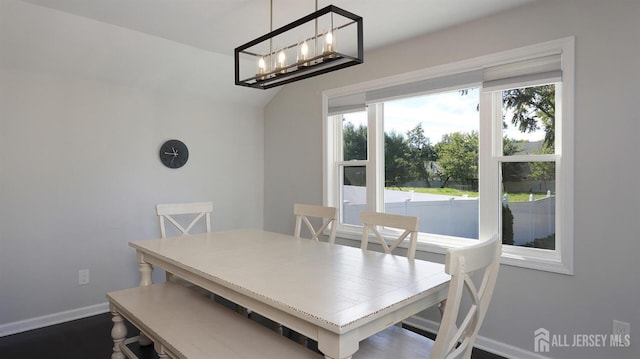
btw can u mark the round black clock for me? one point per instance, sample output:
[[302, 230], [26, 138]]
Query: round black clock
[[174, 154]]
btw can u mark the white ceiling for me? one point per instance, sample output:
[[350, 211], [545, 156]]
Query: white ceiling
[[219, 26]]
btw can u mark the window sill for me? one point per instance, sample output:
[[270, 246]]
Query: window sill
[[529, 258]]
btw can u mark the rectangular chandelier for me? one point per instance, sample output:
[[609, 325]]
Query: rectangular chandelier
[[326, 40]]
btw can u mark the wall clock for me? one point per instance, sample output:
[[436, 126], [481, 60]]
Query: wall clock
[[174, 154]]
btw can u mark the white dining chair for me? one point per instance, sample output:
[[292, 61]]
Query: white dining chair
[[303, 212], [452, 341], [195, 212], [171, 211], [371, 220], [177, 214]]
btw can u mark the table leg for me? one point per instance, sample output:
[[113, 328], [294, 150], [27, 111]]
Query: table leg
[[145, 280], [145, 271], [118, 333], [335, 346]]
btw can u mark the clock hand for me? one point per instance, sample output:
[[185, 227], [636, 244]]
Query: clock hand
[[171, 153]]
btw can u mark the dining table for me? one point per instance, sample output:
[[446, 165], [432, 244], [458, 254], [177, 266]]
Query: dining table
[[334, 294]]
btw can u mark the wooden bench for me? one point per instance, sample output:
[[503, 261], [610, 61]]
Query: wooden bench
[[184, 324]]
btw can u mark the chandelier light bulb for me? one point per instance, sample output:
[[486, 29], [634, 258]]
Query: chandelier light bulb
[[282, 62], [303, 54]]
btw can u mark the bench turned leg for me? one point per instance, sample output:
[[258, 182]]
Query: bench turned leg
[[118, 333]]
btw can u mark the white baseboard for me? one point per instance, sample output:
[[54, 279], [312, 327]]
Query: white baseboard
[[486, 344], [51, 319]]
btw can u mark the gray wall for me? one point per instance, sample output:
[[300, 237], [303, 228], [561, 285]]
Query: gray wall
[[79, 167], [607, 124]]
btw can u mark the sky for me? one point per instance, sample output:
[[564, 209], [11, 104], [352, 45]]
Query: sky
[[440, 114]]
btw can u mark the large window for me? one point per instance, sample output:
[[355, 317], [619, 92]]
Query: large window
[[472, 149]]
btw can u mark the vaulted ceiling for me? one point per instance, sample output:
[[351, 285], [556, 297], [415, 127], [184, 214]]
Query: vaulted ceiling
[[218, 26]]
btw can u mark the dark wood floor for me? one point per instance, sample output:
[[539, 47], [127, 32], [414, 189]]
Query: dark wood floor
[[88, 338]]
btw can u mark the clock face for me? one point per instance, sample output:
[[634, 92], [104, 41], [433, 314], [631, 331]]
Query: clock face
[[174, 154]]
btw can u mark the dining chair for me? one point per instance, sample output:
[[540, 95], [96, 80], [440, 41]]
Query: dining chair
[[173, 213], [304, 211], [473, 270], [196, 211], [371, 220], [169, 212]]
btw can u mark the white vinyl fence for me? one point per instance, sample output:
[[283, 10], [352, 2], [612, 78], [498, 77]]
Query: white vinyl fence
[[455, 216], [533, 219]]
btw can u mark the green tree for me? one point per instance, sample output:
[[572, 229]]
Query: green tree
[[355, 141], [420, 154], [533, 108], [458, 157], [511, 171], [507, 225], [543, 171], [396, 167]]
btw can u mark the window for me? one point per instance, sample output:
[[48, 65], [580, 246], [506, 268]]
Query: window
[[527, 161], [415, 130], [470, 148]]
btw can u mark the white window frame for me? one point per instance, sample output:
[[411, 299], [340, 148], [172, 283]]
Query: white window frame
[[559, 260]]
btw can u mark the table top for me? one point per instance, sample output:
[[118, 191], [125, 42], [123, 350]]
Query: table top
[[335, 285]]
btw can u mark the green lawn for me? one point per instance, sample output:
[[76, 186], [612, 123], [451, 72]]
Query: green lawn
[[513, 197]]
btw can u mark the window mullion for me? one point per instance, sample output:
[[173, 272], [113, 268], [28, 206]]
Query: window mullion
[[375, 155], [488, 168], [338, 154]]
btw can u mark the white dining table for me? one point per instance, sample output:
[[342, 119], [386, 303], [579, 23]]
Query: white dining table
[[334, 294]]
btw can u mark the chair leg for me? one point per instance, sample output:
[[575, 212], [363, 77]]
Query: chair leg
[[302, 340], [441, 307], [244, 311], [278, 328], [162, 354]]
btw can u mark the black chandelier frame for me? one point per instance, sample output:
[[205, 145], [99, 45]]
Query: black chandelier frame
[[314, 66]]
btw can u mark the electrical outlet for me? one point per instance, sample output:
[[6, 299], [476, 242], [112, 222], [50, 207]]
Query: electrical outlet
[[621, 328], [83, 277]]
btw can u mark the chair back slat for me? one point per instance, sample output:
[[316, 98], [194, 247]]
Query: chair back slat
[[371, 220], [166, 213], [303, 212]]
